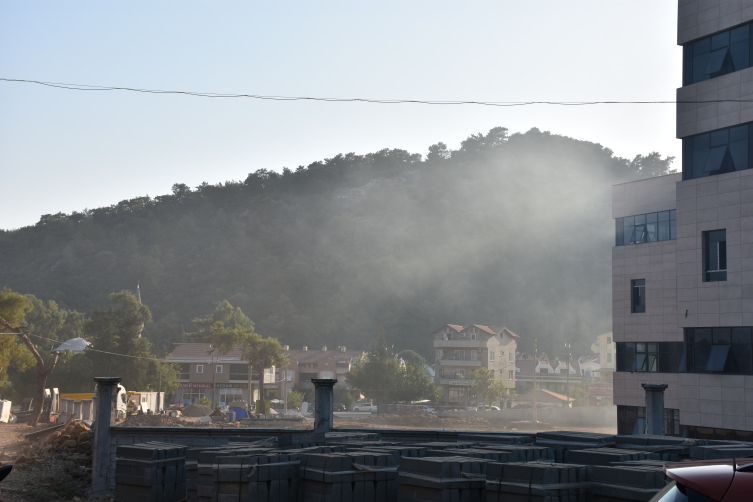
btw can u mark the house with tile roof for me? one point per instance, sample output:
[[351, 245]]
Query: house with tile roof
[[551, 375], [461, 350]]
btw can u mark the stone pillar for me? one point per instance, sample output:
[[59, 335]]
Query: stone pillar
[[86, 409], [324, 401], [77, 409], [655, 407], [107, 396]]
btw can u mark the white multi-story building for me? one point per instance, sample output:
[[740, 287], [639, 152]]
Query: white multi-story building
[[683, 259]]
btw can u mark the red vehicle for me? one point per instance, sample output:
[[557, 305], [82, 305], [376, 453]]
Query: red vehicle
[[708, 480]]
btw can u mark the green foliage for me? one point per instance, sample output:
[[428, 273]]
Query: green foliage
[[231, 318], [376, 374], [260, 353], [204, 401], [308, 394], [579, 395], [166, 377], [117, 330], [486, 387], [13, 354], [329, 252], [295, 399], [411, 357]]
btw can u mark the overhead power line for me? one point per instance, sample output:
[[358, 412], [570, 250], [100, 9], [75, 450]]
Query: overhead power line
[[88, 87]]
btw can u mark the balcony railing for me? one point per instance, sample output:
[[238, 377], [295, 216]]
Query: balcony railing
[[462, 343]]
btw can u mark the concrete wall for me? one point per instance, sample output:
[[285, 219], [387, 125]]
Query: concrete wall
[[699, 18], [698, 118], [592, 416], [645, 196]]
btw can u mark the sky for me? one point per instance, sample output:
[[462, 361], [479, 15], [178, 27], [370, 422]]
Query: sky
[[64, 151]]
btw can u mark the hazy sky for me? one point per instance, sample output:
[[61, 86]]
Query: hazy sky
[[68, 150]]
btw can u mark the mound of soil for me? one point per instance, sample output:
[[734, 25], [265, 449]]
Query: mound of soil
[[152, 421], [196, 410]]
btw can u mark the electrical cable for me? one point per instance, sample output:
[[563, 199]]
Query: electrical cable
[[88, 87]]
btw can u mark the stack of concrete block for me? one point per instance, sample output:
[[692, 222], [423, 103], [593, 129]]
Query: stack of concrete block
[[410, 451], [524, 453], [348, 477], [150, 472], [206, 462], [493, 455], [626, 482], [443, 445], [352, 436], [562, 441], [262, 478], [362, 444], [443, 479], [311, 449], [731, 449], [496, 438], [537, 482], [668, 447], [605, 456]]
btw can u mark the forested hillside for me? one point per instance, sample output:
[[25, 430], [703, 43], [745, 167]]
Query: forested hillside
[[507, 230]]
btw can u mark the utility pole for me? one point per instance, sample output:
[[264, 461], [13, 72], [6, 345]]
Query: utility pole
[[535, 404], [285, 387], [567, 391]]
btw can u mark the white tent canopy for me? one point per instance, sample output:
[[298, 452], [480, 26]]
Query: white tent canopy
[[75, 345]]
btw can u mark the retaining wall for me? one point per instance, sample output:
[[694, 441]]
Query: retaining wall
[[590, 416]]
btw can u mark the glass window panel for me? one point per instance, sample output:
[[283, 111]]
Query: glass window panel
[[639, 234], [715, 159], [716, 61], [740, 53], [701, 347], [673, 229], [717, 358], [629, 356], [702, 46], [663, 216], [663, 231], [628, 221], [640, 426], [721, 336], [702, 141], [640, 219], [651, 217], [699, 163], [719, 138], [739, 34], [627, 234], [673, 214], [739, 154], [640, 362], [651, 232], [738, 133], [742, 355], [720, 40]]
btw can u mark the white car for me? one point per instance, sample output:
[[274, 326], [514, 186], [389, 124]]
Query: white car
[[364, 407]]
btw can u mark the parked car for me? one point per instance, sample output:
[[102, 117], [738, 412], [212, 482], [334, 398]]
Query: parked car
[[339, 407], [494, 408], [723, 480], [364, 407]]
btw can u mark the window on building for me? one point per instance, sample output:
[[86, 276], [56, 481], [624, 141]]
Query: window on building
[[661, 357], [462, 335], [632, 420], [473, 336], [717, 55], [441, 372], [460, 355], [192, 396], [719, 350], [643, 228], [185, 371], [715, 255], [609, 340], [716, 152], [474, 355], [239, 372], [638, 296], [511, 357], [306, 377], [491, 355], [199, 368], [510, 374], [218, 368]]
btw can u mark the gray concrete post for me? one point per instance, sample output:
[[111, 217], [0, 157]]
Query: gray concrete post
[[324, 403], [107, 395], [655, 407], [86, 409]]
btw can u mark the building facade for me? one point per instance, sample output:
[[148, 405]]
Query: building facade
[[205, 373], [551, 375], [461, 350], [607, 350], [683, 255]]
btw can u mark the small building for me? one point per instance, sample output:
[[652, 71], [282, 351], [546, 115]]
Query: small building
[[607, 350], [551, 375], [461, 350], [204, 373]]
